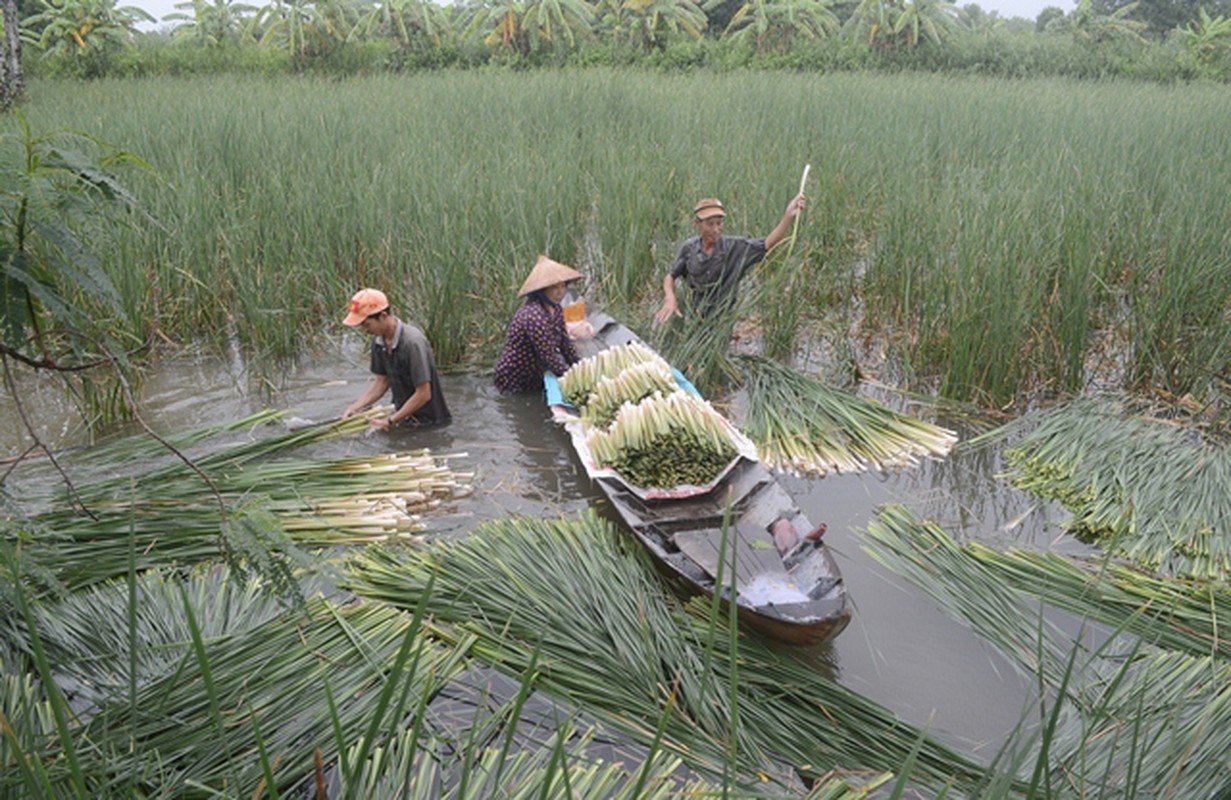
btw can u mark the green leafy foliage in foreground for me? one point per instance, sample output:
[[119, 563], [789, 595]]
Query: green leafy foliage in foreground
[[1151, 490], [1145, 715], [135, 662], [199, 682], [198, 687], [233, 500], [60, 199], [566, 603]]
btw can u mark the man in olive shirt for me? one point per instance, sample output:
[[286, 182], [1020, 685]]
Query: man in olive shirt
[[714, 264], [402, 360]]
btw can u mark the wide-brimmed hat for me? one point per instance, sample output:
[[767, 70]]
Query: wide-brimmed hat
[[707, 208], [364, 304], [547, 273]]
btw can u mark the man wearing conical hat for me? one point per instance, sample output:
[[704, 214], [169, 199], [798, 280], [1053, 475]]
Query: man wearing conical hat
[[537, 340], [713, 263], [402, 361]]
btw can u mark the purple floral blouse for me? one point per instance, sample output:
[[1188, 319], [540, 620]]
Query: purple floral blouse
[[537, 342]]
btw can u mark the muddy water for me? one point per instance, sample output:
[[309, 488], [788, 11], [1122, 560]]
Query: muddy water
[[899, 649]]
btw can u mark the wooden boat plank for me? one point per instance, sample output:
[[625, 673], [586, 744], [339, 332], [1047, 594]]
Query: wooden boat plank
[[699, 510], [768, 505], [751, 550]]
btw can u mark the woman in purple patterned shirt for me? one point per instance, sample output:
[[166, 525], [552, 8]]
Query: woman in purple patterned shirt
[[538, 341]]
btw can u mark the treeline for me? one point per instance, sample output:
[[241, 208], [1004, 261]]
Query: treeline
[[97, 38]]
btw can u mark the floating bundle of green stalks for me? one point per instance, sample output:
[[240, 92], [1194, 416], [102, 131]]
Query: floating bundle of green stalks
[[582, 377], [173, 514], [1149, 490], [359, 499], [665, 440], [623, 650], [1152, 721], [804, 427], [630, 385]]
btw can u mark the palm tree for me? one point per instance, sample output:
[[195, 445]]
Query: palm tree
[[524, 26], [212, 23], [870, 20], [1090, 27], [552, 21], [650, 23], [302, 27], [86, 28], [1206, 36], [932, 20], [978, 21], [407, 22], [333, 20], [500, 22], [776, 24], [893, 23]]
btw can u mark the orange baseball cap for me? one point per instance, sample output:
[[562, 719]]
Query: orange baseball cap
[[364, 304]]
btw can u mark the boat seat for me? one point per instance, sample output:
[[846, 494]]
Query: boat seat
[[751, 549]]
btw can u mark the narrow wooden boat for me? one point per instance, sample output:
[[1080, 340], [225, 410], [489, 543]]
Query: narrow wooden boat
[[743, 536]]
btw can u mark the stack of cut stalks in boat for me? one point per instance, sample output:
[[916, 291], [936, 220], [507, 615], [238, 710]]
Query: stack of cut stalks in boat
[[640, 423]]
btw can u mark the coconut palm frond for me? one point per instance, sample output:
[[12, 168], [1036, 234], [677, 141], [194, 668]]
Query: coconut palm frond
[[28, 722], [136, 631], [968, 578], [155, 461], [927, 556], [515, 581], [561, 598], [1146, 489], [1178, 615], [802, 426], [402, 770], [285, 684]]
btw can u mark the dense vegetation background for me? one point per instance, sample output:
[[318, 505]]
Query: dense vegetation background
[[1154, 39]]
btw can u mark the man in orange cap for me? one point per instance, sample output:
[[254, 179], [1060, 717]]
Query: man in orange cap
[[714, 264], [402, 360]]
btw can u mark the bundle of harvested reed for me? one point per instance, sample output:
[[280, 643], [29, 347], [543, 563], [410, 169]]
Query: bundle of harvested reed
[[580, 380], [170, 512], [630, 385], [1147, 489], [666, 440], [803, 426]]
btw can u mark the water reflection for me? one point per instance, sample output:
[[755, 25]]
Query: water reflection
[[900, 649]]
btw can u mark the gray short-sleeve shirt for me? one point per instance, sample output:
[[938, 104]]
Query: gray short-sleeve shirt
[[714, 278], [407, 364]]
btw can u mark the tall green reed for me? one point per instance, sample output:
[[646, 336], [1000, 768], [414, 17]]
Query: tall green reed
[[986, 229]]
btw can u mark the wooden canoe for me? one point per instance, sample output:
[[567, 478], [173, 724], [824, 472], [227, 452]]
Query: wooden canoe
[[784, 579]]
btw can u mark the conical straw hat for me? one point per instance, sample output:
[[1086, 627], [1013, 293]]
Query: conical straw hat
[[547, 273]]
